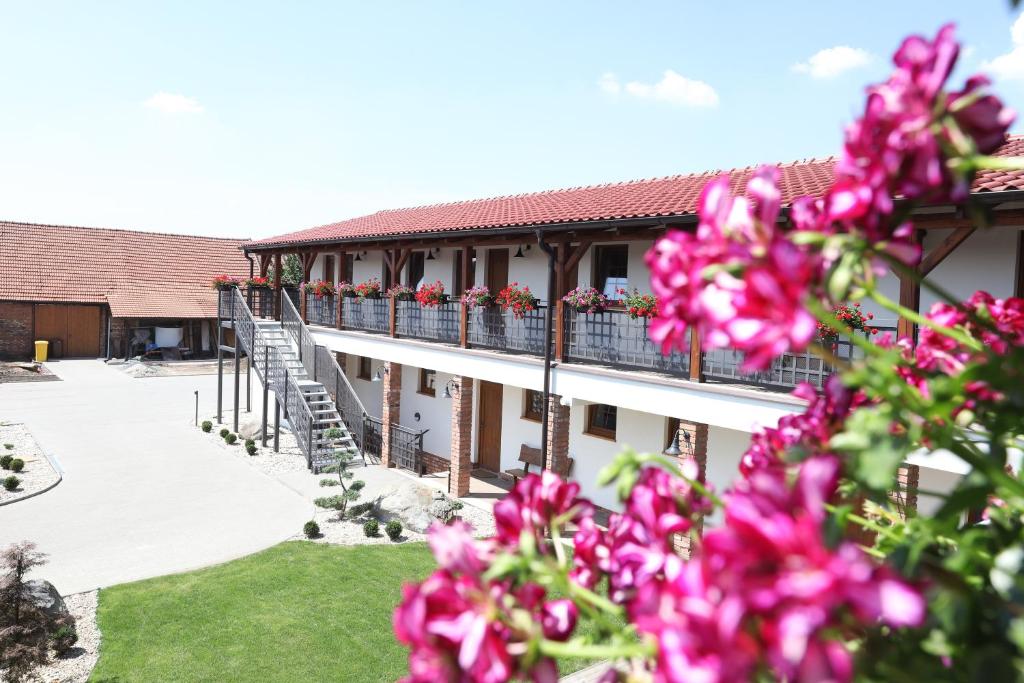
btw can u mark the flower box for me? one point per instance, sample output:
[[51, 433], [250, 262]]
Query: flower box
[[402, 293], [258, 283], [319, 288], [431, 296], [477, 297], [222, 282], [586, 300]]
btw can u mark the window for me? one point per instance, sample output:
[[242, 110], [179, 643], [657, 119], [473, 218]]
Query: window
[[533, 405], [673, 429], [328, 268], [364, 371], [610, 261], [414, 271], [348, 267], [428, 378], [601, 420]]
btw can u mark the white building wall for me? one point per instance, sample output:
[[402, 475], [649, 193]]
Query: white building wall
[[369, 266], [370, 393], [530, 271], [435, 411]]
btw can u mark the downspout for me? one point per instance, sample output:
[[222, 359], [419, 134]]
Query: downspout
[[548, 329], [252, 264]]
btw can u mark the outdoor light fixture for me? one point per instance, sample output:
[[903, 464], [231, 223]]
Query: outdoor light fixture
[[519, 251], [379, 375], [675, 451], [430, 255], [358, 257], [566, 401], [451, 389]]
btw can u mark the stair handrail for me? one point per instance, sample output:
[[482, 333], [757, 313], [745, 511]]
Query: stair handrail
[[282, 382]]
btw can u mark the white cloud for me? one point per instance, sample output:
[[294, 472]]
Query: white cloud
[[672, 88], [832, 61], [172, 103], [1011, 65]]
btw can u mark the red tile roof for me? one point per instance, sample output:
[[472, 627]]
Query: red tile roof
[[140, 274], [672, 196]]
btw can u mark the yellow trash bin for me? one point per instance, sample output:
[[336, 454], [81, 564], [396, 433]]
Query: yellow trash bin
[[41, 349]]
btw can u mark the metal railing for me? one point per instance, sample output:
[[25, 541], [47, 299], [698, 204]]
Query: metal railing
[[613, 338], [268, 360], [433, 323], [329, 373], [370, 315], [260, 301], [494, 328], [407, 448], [321, 310]]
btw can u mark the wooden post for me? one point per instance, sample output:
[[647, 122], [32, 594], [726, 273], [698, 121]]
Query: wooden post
[[277, 286], [560, 330], [464, 326], [340, 304], [391, 316], [467, 255], [910, 297], [696, 357], [302, 304]]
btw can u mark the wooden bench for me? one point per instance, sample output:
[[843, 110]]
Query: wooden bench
[[529, 455]]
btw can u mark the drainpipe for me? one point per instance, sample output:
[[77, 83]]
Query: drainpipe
[[548, 328], [252, 264]]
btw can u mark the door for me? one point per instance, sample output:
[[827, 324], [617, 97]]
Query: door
[[488, 443], [497, 270], [77, 328]]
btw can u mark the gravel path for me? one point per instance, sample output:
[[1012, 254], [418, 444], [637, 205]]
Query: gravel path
[[38, 474], [76, 664]]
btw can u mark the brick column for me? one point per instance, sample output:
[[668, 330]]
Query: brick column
[[693, 442], [462, 437], [392, 404], [302, 305], [558, 436], [905, 495]]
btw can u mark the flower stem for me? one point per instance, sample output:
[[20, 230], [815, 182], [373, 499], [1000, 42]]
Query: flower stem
[[553, 648], [865, 523]]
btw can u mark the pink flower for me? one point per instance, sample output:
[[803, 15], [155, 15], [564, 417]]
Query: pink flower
[[558, 619], [738, 282], [456, 550], [534, 503]]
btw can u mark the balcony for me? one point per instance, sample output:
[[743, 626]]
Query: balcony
[[611, 339]]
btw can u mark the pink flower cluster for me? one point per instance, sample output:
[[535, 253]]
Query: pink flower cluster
[[740, 282], [765, 591], [997, 323], [460, 626], [807, 432]]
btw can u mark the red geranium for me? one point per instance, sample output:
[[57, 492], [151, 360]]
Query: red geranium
[[520, 301]]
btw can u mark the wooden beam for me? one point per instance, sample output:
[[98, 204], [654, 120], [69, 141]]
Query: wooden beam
[[696, 357], [1004, 218], [265, 264], [937, 255], [577, 254], [910, 297], [402, 259], [467, 255], [308, 259]]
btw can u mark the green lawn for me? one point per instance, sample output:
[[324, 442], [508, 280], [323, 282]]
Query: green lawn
[[297, 612]]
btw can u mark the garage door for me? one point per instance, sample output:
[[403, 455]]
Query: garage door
[[77, 328]]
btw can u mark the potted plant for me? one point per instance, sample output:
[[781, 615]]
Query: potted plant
[[639, 305], [854, 320], [519, 301], [586, 300], [258, 283], [222, 282], [318, 288], [431, 296], [346, 289], [402, 293], [477, 297], [370, 289]]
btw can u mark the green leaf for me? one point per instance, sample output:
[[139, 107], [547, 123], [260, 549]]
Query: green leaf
[[875, 451]]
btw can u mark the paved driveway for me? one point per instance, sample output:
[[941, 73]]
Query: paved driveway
[[144, 492]]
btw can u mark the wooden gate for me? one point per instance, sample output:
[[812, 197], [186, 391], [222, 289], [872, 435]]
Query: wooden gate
[[76, 327]]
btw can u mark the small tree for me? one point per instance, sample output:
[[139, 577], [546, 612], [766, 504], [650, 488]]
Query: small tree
[[25, 628], [291, 270], [350, 492]]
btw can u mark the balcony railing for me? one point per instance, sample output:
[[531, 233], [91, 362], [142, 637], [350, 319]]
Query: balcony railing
[[609, 338], [369, 315], [260, 301], [435, 323], [321, 310], [493, 328], [613, 338]]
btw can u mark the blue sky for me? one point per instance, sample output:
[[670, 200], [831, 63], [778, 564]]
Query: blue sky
[[252, 119]]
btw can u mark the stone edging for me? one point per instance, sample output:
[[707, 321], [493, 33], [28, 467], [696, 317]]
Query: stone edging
[[49, 460]]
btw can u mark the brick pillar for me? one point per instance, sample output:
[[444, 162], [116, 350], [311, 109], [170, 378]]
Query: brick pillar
[[462, 437], [693, 442], [905, 495], [392, 405], [302, 305], [558, 436]]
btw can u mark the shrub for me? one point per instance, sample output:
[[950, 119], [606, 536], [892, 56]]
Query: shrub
[[63, 638], [9, 446], [251, 450], [444, 508], [393, 529], [360, 509], [224, 431], [357, 485], [311, 529], [230, 439], [11, 482], [331, 502], [5, 461], [329, 482], [17, 465], [371, 528], [207, 426], [250, 442]]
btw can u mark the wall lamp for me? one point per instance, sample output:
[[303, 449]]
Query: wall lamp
[[451, 390], [519, 252], [430, 254], [379, 375], [675, 451]]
